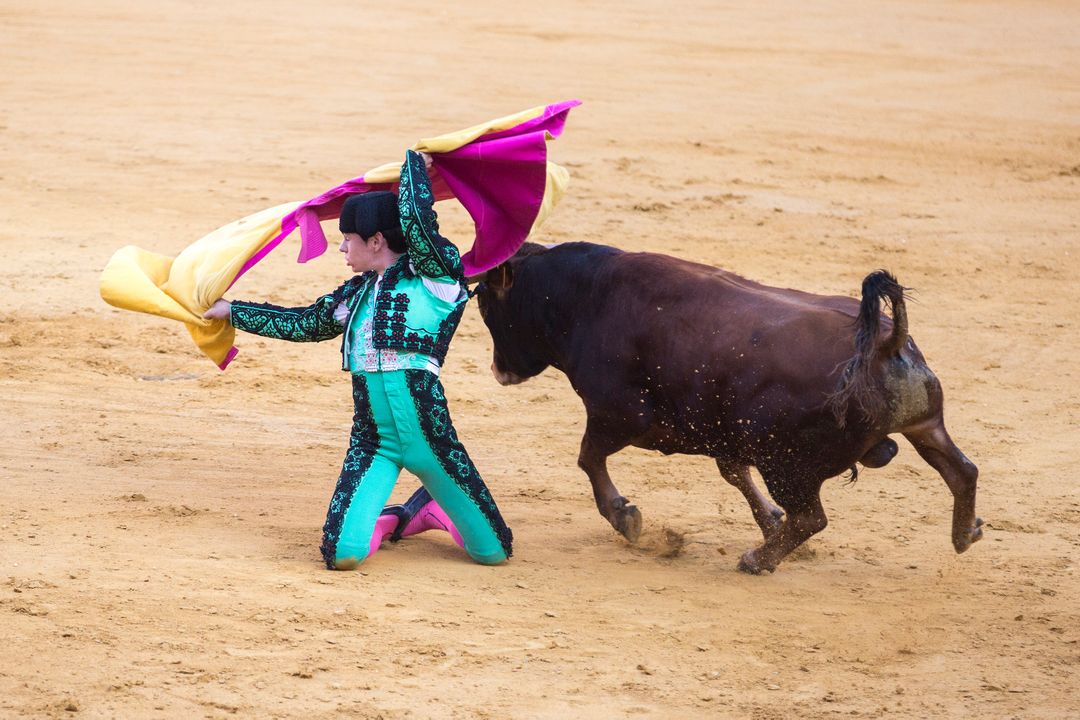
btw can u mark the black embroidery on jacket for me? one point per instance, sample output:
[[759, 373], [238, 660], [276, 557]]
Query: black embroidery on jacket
[[389, 328], [313, 323], [433, 255]]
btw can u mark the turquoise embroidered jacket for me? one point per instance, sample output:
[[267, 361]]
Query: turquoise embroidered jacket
[[407, 316]]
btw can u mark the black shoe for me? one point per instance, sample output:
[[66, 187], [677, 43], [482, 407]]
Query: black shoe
[[397, 511], [405, 512]]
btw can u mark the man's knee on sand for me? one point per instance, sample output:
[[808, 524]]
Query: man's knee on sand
[[347, 563], [493, 557], [497, 559], [349, 557]]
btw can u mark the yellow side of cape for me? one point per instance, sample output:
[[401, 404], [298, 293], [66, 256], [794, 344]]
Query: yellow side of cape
[[184, 287]]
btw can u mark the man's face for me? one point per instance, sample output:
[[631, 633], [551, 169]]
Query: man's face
[[359, 255]]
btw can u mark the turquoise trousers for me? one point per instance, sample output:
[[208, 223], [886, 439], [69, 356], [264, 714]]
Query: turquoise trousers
[[401, 421]]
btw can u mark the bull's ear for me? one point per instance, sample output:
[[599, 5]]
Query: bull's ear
[[501, 277]]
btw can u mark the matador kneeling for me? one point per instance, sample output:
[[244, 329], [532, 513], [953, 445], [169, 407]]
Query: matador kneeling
[[396, 319]]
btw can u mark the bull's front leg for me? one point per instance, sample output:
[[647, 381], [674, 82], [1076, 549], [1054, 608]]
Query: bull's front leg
[[797, 527], [593, 460]]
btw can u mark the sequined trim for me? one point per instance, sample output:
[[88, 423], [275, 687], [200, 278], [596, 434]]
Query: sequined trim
[[433, 255], [363, 443]]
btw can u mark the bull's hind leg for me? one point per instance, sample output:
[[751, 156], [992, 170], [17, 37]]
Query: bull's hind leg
[[767, 515], [960, 474], [595, 450], [805, 518]]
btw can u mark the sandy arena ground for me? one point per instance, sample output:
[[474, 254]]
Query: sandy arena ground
[[159, 520]]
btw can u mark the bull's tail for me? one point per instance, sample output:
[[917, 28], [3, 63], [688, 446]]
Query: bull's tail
[[857, 382]]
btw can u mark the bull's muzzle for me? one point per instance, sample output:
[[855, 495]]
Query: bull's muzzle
[[505, 378]]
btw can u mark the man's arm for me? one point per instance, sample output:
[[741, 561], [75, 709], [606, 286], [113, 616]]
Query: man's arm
[[313, 323], [431, 254]]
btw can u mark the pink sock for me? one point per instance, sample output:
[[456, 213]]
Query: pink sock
[[384, 528], [432, 517]]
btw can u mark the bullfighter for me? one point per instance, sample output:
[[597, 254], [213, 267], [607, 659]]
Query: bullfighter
[[396, 318]]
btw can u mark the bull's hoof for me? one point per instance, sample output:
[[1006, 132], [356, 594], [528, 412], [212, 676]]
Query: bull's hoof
[[972, 535], [750, 564], [625, 518], [628, 522]]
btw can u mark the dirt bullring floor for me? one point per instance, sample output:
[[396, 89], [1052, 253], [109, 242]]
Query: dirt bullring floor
[[159, 520]]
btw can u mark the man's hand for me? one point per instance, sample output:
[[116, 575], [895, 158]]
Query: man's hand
[[427, 160], [220, 310]]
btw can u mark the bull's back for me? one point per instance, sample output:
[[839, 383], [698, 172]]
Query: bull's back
[[687, 314]]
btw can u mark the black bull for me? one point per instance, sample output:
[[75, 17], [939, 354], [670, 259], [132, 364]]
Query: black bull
[[679, 357]]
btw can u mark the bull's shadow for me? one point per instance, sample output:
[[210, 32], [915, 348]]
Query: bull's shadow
[[679, 357]]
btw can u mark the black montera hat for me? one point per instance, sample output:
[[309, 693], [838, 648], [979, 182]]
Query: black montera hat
[[368, 213]]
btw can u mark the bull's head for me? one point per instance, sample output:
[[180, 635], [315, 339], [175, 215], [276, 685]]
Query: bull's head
[[510, 313]]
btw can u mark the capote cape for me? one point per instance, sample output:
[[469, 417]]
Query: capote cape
[[497, 170]]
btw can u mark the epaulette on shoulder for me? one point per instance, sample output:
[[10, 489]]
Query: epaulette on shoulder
[[350, 286]]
